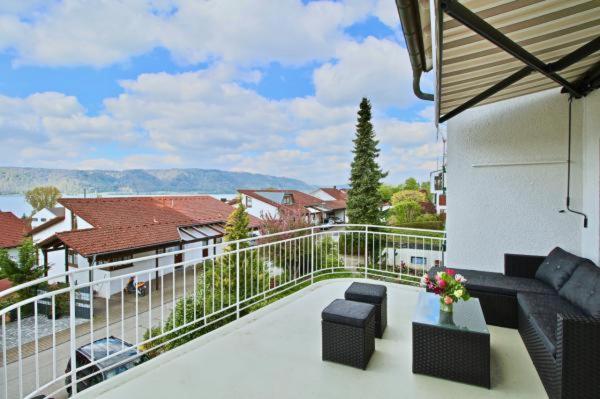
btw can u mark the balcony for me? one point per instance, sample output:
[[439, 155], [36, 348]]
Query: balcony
[[276, 352], [247, 324]]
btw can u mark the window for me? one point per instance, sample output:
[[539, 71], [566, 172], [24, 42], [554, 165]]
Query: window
[[34, 219], [43, 219], [248, 202], [418, 260], [287, 199], [72, 258]]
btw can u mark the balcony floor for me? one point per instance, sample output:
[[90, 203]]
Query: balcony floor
[[276, 352]]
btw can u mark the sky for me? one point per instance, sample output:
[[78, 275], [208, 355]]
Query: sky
[[264, 86]]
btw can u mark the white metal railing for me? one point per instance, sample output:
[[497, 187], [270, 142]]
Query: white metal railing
[[184, 299]]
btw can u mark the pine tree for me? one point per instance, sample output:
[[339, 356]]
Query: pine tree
[[238, 226], [364, 197]]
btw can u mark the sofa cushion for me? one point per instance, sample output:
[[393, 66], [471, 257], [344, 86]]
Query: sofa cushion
[[558, 266], [546, 304], [349, 313], [499, 283], [583, 288], [541, 311]]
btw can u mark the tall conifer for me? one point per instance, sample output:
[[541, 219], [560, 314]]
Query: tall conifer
[[364, 198]]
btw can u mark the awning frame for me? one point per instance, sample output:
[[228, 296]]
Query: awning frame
[[578, 89]]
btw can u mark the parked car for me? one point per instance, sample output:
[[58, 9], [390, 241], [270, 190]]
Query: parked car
[[102, 369]]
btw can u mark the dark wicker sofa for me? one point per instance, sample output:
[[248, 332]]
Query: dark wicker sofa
[[554, 301]]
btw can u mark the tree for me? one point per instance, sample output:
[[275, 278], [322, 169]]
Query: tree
[[406, 211], [364, 198], [25, 269], [238, 226], [409, 195], [411, 184], [42, 197], [387, 190]]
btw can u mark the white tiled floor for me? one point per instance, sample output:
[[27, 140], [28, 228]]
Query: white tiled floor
[[276, 353]]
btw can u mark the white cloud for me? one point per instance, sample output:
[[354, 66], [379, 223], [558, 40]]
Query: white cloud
[[45, 127], [102, 32], [376, 68]]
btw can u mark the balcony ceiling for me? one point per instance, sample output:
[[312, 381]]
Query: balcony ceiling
[[276, 353], [548, 29]]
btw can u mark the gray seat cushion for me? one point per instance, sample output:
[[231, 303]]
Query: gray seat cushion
[[583, 288], [349, 313], [542, 311], [547, 304], [363, 292], [557, 268], [499, 283]]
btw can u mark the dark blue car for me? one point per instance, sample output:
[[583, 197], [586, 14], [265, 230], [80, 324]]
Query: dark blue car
[[105, 367]]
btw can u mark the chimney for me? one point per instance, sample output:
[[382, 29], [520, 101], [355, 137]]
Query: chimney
[[334, 187], [223, 199]]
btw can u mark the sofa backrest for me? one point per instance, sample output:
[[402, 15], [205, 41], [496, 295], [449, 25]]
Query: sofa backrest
[[583, 288], [558, 267]]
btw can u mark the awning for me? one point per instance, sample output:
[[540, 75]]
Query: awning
[[491, 50]]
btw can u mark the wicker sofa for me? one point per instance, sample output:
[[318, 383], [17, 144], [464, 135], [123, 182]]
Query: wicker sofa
[[554, 301]]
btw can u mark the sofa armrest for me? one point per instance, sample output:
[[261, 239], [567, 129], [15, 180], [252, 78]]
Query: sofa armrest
[[578, 354], [522, 265]]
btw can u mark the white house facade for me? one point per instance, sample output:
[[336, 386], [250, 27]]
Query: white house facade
[[97, 231]]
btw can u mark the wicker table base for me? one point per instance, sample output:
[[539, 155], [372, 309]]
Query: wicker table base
[[453, 352]]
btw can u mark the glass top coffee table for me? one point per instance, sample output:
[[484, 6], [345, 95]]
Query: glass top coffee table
[[452, 346]]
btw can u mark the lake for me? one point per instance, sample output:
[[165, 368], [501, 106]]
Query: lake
[[16, 203]]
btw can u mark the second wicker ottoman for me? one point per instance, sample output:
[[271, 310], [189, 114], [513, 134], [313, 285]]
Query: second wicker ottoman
[[348, 333], [374, 294]]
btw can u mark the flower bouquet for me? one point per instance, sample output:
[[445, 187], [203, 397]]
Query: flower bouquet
[[449, 285]]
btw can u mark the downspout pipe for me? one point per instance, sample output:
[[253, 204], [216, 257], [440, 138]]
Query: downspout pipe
[[408, 10]]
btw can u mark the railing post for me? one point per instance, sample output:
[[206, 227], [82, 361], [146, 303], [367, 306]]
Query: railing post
[[312, 255], [73, 337], [237, 281], [366, 249]]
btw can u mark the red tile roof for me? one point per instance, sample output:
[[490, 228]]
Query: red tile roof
[[335, 193], [300, 200], [127, 223], [12, 230]]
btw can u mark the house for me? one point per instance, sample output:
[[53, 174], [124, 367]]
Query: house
[[438, 190], [273, 202], [13, 231], [46, 223], [515, 86], [46, 215], [100, 230]]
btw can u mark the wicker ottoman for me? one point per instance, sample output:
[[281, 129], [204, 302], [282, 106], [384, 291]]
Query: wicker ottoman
[[348, 333], [374, 294]]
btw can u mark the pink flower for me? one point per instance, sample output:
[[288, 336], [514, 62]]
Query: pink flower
[[447, 300], [442, 283], [450, 272], [459, 278]]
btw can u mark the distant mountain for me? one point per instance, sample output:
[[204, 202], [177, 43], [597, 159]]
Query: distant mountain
[[140, 181]]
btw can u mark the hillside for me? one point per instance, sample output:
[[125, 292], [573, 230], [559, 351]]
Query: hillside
[[139, 181]]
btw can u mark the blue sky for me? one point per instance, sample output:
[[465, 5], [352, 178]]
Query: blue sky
[[266, 86]]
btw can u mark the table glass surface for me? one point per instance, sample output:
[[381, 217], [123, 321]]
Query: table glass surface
[[467, 315]]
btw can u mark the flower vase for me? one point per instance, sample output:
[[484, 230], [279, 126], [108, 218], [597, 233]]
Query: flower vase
[[447, 308]]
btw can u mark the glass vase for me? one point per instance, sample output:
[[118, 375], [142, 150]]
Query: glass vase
[[448, 308]]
